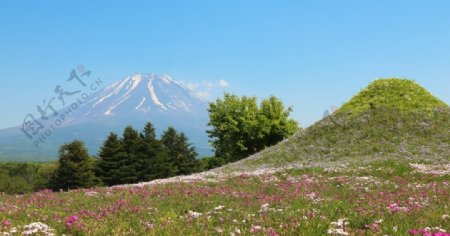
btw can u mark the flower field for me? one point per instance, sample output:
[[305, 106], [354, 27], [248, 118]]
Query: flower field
[[383, 198]]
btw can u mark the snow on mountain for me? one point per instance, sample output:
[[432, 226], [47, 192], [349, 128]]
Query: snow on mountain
[[135, 100], [141, 93]]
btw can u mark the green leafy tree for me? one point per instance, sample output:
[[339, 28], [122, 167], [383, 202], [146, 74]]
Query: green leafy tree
[[241, 128], [75, 167], [274, 122], [181, 153]]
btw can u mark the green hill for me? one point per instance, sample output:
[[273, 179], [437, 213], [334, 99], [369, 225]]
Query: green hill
[[400, 94], [390, 119]]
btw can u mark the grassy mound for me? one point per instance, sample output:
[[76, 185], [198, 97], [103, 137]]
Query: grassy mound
[[391, 118], [399, 94]]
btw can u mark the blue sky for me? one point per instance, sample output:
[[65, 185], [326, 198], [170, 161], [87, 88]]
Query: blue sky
[[311, 54]]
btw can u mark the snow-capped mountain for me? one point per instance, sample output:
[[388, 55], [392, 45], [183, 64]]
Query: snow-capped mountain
[[141, 94], [135, 100]]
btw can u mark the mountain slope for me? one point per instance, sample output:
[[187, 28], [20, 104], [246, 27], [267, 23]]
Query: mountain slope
[[391, 118], [135, 100]]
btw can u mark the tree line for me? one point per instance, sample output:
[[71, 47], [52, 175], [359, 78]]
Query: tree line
[[134, 157], [17, 177], [239, 126]]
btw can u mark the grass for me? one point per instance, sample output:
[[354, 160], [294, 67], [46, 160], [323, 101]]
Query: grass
[[299, 202]]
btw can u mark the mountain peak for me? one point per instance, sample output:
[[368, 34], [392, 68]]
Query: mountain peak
[[143, 94], [152, 77]]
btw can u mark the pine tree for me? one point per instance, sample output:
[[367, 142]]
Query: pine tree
[[75, 167], [129, 159], [180, 151], [108, 164], [156, 162], [188, 163]]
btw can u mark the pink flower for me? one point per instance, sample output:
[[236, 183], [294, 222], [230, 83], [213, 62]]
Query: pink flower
[[6, 223], [375, 227], [394, 207], [71, 220], [427, 233], [441, 234], [271, 232]]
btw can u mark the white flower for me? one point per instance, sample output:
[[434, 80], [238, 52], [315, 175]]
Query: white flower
[[194, 214], [340, 223], [220, 207], [339, 227], [337, 232], [255, 228], [264, 208], [38, 227], [435, 229], [379, 221], [91, 194], [445, 217]]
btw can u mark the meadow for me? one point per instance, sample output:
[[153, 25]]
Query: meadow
[[382, 198]]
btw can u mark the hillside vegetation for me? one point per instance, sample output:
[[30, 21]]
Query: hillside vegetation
[[391, 118], [393, 94]]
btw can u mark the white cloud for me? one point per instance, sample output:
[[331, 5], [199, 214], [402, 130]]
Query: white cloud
[[192, 86], [223, 83], [207, 87]]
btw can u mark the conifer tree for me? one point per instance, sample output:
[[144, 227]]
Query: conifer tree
[[108, 164], [128, 160], [155, 160], [180, 151], [75, 167]]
